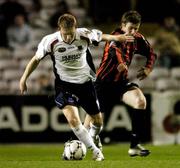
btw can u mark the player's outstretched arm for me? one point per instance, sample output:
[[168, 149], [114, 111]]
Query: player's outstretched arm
[[31, 66], [120, 38]]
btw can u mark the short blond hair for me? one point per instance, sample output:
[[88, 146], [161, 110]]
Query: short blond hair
[[67, 21]]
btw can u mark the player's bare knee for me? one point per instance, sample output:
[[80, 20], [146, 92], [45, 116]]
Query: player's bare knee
[[140, 103], [97, 120]]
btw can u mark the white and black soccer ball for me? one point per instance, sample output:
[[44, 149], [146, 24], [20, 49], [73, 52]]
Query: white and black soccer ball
[[74, 150]]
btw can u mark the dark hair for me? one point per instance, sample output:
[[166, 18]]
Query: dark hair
[[67, 21], [131, 16]]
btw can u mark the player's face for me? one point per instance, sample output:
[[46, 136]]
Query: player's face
[[68, 35], [130, 28]]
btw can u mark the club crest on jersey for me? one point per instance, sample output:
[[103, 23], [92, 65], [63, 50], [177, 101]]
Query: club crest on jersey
[[62, 49]]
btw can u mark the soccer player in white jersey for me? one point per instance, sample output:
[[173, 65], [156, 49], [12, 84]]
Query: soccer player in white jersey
[[73, 81]]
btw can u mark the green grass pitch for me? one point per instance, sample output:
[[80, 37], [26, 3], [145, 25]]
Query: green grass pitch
[[49, 156]]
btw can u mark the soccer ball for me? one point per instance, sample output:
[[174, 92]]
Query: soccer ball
[[74, 150]]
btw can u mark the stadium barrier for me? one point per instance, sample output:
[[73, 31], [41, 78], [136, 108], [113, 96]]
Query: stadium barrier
[[32, 118], [166, 117]]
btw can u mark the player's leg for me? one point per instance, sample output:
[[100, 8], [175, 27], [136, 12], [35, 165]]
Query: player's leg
[[88, 101], [94, 119], [91, 123], [69, 102], [136, 99], [96, 125], [72, 115], [87, 121]]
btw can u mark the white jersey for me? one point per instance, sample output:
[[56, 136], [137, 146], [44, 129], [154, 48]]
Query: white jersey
[[69, 60]]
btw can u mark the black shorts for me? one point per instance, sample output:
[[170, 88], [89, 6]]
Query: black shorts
[[111, 93], [83, 95]]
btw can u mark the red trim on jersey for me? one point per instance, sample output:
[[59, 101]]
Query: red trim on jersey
[[53, 44]]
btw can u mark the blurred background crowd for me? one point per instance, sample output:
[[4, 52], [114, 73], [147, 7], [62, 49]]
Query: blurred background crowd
[[24, 22]]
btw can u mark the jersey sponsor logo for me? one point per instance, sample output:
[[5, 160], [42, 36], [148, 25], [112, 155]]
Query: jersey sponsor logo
[[70, 58], [62, 49], [71, 47]]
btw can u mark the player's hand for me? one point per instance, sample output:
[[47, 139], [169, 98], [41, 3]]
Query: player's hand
[[129, 38], [22, 86], [143, 73], [122, 67], [125, 38]]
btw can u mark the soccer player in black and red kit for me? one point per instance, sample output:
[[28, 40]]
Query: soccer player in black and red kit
[[112, 84]]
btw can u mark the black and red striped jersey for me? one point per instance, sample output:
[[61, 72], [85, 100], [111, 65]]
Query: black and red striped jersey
[[117, 52]]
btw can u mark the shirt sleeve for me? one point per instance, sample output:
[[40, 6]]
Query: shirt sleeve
[[43, 48], [145, 49], [93, 35]]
